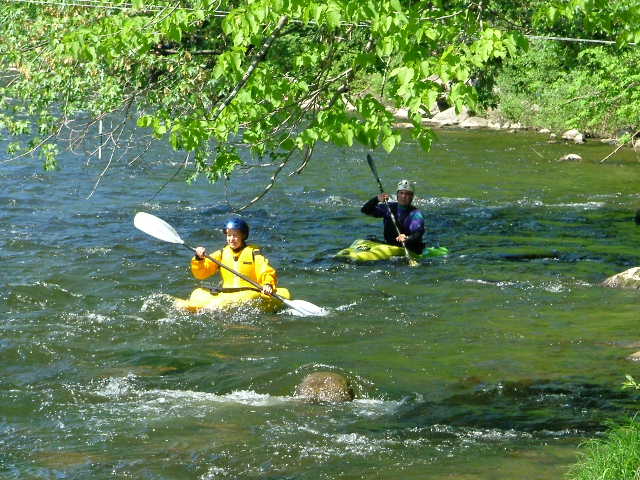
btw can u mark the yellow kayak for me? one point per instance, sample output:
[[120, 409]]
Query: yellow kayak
[[367, 250], [205, 299]]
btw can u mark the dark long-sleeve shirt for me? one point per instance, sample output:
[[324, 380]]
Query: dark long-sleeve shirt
[[410, 221]]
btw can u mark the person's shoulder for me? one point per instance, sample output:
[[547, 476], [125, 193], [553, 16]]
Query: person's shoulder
[[256, 251]]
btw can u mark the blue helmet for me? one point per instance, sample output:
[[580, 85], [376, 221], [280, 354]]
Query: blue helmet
[[236, 224]]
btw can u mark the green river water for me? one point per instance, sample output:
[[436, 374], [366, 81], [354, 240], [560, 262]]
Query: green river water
[[492, 363]]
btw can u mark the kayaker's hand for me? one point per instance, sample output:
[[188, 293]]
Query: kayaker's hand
[[402, 238], [267, 289], [200, 253], [383, 197]]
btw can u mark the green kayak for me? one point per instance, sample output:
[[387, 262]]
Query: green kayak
[[368, 250]]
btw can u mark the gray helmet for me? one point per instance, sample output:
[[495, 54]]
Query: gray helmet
[[406, 185]]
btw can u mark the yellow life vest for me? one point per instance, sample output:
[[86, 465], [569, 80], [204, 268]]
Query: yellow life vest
[[249, 261]]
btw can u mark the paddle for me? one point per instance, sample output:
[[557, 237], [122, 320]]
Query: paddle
[[374, 170], [158, 228]]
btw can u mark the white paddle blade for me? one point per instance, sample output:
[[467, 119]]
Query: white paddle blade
[[156, 227], [305, 309]]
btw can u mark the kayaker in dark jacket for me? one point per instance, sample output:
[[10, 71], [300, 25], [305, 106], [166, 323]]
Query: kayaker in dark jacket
[[409, 219]]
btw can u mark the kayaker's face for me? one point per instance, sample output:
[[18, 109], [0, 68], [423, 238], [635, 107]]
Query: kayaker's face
[[235, 238], [405, 197]]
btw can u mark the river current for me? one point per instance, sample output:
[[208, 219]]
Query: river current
[[494, 362]]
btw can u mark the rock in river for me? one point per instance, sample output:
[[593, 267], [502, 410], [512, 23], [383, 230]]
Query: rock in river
[[627, 279], [325, 387]]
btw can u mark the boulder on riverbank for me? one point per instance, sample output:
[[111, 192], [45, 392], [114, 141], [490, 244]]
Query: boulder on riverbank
[[573, 135], [325, 387], [448, 117], [627, 279], [475, 122]]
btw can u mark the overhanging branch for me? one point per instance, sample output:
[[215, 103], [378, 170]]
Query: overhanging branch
[[257, 58]]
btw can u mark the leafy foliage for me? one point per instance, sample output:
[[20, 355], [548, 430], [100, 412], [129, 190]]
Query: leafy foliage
[[594, 90], [229, 80], [603, 19]]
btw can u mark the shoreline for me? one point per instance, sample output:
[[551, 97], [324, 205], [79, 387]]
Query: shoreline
[[464, 120]]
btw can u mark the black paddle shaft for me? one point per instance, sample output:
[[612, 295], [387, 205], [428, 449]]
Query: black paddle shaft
[[375, 174]]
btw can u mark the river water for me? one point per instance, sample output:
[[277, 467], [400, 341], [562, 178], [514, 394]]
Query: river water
[[492, 363]]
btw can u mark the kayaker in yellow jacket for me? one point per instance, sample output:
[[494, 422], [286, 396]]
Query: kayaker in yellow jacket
[[236, 254]]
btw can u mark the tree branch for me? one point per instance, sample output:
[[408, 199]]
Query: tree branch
[[257, 58], [305, 160], [272, 182], [619, 148]]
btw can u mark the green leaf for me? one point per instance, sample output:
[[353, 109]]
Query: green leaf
[[389, 143], [387, 46], [364, 59], [424, 136], [174, 33], [309, 136], [404, 74], [396, 5], [238, 37], [316, 12], [50, 153], [159, 129], [333, 18], [347, 134], [13, 148], [464, 95], [253, 23], [288, 144], [236, 59], [145, 121]]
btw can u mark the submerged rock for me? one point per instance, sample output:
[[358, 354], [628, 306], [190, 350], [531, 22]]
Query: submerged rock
[[325, 387], [627, 279], [531, 255], [634, 357], [570, 157]]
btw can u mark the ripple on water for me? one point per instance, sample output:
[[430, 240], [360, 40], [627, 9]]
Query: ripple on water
[[105, 379], [38, 294]]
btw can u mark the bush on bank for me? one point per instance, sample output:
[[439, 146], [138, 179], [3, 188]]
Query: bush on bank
[[560, 86], [616, 456]]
